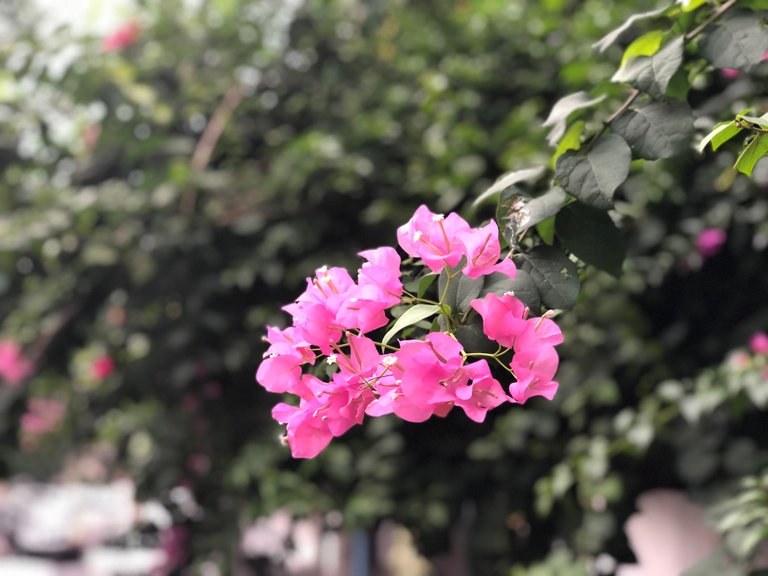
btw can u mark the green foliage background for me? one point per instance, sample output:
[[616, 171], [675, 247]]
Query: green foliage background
[[337, 121]]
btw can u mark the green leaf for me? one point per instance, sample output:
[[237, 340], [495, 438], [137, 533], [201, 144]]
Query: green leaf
[[99, 254], [473, 339], [554, 275], [592, 236], [738, 41], [651, 74], [646, 45], [562, 109], [522, 285], [614, 35], [410, 317], [691, 5], [509, 179], [656, 130], [461, 290], [752, 122], [424, 283], [756, 149], [720, 134], [593, 177], [716, 564], [546, 230], [571, 140], [517, 211]]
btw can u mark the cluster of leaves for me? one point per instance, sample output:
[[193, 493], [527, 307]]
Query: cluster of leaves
[[594, 152]]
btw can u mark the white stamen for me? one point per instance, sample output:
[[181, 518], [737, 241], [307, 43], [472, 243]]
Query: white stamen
[[331, 359], [388, 361], [417, 235], [437, 218]]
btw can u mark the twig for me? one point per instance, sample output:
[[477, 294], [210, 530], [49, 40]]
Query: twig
[[712, 18], [716, 14], [203, 152], [618, 112]]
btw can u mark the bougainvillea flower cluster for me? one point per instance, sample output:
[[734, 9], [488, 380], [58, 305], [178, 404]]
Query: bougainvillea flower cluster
[[335, 363]]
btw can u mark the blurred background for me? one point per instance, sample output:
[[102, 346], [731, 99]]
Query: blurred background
[[172, 171]]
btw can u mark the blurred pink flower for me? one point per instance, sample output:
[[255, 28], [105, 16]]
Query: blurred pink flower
[[732, 73], [14, 366], [124, 36], [667, 535], [173, 542], [91, 136], [102, 367], [759, 343], [710, 241], [43, 415]]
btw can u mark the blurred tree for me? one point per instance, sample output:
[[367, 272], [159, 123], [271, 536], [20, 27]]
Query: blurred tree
[[166, 190]]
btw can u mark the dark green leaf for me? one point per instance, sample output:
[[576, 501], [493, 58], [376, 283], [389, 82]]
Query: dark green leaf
[[562, 109], [554, 275], [473, 339], [424, 283], [517, 211], [738, 41], [651, 74], [522, 286], [592, 236], [593, 177], [461, 290], [657, 129]]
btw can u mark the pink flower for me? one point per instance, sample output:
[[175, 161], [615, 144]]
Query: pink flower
[[668, 535], [758, 343], [710, 241], [123, 37], [429, 368], [504, 318], [382, 272], [534, 368], [732, 73], [433, 238], [485, 392], [482, 249], [102, 367], [280, 371], [14, 366], [43, 415]]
